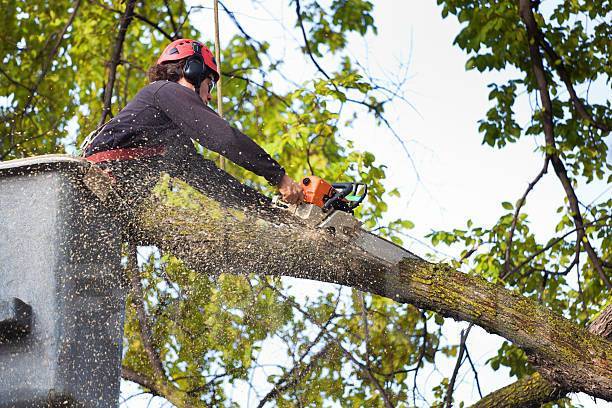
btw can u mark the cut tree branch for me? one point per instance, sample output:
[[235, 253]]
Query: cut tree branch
[[207, 242]]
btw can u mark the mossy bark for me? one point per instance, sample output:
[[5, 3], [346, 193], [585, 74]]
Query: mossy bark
[[535, 390], [529, 392], [211, 238]]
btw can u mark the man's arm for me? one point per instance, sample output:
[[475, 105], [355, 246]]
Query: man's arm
[[183, 106]]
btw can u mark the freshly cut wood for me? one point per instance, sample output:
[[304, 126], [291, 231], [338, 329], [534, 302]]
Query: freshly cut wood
[[251, 237]]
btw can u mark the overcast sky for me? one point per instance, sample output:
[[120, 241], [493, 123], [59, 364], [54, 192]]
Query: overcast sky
[[459, 179]]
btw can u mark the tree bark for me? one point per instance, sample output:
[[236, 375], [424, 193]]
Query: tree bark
[[211, 238], [529, 392], [534, 390]]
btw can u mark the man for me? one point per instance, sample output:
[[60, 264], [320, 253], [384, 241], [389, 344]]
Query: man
[[154, 133]]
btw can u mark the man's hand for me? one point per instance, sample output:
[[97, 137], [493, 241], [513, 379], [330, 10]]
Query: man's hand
[[290, 191]]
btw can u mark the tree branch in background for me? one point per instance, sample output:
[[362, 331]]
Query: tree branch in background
[[139, 17], [363, 367], [292, 377], [467, 354], [556, 62], [419, 359], [307, 44], [519, 205], [295, 375], [142, 380], [10, 148], [528, 18], [232, 16], [534, 390], [125, 21], [15, 82], [49, 58], [376, 109], [143, 321], [46, 66], [451, 384], [172, 23], [550, 245]]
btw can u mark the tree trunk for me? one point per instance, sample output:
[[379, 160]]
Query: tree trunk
[[211, 238]]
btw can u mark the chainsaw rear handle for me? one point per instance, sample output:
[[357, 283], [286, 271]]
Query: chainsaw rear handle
[[352, 189], [341, 192]]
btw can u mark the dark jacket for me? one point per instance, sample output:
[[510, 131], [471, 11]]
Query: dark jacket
[[168, 114]]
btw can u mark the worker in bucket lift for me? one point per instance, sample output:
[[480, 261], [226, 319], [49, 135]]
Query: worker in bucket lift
[[154, 133]]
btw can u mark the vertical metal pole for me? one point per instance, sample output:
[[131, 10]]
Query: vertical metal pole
[[219, 82]]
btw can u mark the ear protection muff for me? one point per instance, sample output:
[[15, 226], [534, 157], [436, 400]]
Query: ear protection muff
[[193, 71]]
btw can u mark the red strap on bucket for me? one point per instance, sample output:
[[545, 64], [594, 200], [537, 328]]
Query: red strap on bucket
[[126, 154]]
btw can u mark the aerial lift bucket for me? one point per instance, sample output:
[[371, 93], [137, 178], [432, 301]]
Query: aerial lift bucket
[[61, 288]]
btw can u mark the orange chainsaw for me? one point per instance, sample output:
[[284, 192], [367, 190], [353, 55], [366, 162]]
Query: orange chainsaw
[[337, 196], [329, 207]]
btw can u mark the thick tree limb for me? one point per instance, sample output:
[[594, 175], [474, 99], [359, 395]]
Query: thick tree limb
[[602, 324], [125, 21], [250, 238], [534, 390], [528, 18], [529, 392]]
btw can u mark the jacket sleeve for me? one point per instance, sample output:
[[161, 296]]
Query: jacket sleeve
[[196, 120]]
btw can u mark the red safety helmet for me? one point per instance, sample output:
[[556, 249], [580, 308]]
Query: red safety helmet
[[183, 48]]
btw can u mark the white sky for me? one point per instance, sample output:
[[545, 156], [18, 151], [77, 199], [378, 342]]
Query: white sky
[[459, 177]]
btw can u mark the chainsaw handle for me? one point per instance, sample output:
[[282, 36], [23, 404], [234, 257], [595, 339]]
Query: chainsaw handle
[[351, 188], [343, 189]]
